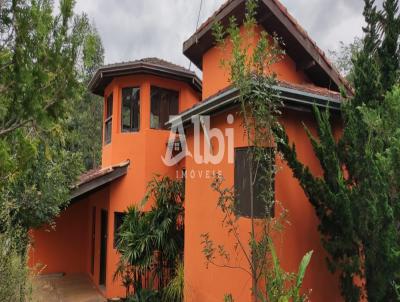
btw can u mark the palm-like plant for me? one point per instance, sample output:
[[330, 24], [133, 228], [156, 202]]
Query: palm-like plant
[[174, 291], [135, 242], [152, 241]]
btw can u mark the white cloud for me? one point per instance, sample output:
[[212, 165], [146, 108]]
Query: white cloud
[[132, 29]]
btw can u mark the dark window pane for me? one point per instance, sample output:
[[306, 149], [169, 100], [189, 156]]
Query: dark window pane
[[118, 220], [155, 109], [126, 118], [108, 121], [130, 109], [263, 204], [108, 128], [164, 104], [109, 110]]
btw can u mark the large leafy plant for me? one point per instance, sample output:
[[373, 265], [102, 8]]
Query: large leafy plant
[[151, 242]]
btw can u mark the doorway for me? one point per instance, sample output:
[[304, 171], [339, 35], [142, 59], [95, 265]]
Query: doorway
[[103, 247]]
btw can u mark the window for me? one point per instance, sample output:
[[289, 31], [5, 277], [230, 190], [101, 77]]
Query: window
[[164, 104], [118, 220], [262, 205], [130, 109], [108, 121]]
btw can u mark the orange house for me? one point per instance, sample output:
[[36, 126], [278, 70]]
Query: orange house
[[142, 99]]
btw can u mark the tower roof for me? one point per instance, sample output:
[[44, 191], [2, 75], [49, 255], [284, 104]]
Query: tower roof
[[274, 18], [153, 66]]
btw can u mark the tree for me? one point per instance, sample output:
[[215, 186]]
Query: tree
[[42, 55], [357, 199], [85, 119], [343, 58], [249, 67]]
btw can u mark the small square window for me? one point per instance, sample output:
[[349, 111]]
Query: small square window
[[263, 205], [118, 220], [164, 105]]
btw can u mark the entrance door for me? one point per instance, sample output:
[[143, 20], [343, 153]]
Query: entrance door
[[103, 247], [93, 240]]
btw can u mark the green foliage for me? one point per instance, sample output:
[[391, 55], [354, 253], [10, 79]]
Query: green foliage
[[282, 286], [175, 289], [13, 270], [344, 56], [38, 194], [39, 59], [357, 198], [151, 242], [85, 127], [130, 277], [145, 295], [42, 72], [44, 61], [84, 122]]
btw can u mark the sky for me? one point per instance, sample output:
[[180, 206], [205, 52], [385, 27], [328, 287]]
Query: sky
[[134, 29]]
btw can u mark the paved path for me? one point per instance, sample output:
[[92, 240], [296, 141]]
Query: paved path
[[68, 288]]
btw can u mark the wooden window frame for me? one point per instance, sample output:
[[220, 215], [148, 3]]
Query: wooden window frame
[[160, 126], [108, 119], [131, 128], [243, 209]]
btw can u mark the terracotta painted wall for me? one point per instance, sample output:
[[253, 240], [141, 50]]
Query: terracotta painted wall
[[62, 250], [216, 77], [68, 248], [202, 216], [144, 150], [100, 201]]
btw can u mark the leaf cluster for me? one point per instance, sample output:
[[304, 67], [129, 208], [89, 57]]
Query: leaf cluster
[[151, 241], [357, 199]]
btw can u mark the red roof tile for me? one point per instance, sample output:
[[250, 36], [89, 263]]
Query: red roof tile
[[97, 173], [298, 27], [309, 88], [152, 61], [104, 75]]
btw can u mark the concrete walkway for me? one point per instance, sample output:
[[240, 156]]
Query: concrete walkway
[[68, 288]]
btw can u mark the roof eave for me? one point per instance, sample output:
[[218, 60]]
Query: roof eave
[[97, 86], [226, 100], [191, 46], [83, 189], [309, 58]]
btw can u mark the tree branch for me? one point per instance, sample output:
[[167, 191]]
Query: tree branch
[[23, 123], [4, 66], [230, 266]]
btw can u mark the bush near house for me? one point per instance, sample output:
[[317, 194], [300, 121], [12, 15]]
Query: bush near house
[[151, 244]]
